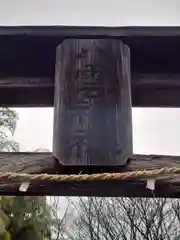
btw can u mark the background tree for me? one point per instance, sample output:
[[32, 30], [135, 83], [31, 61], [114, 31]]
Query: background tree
[[126, 218], [26, 217], [20, 217], [8, 120], [61, 212]]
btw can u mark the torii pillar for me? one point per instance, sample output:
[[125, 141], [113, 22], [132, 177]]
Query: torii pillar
[[92, 105]]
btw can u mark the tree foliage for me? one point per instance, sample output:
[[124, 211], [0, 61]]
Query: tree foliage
[[25, 218], [20, 217], [8, 120]]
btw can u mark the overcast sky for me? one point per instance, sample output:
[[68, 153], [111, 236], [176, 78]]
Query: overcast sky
[[155, 130], [90, 12]]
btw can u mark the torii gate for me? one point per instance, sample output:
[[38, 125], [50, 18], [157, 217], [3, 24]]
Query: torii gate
[[100, 73]]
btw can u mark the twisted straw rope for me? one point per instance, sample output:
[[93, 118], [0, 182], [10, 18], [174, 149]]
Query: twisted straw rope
[[144, 174]]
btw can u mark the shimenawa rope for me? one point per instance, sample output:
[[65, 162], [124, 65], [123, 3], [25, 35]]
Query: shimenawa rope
[[144, 174]]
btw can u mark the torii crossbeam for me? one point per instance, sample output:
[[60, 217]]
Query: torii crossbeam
[[100, 73]]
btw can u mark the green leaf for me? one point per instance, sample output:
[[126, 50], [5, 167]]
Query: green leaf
[[5, 236], [5, 218], [2, 226]]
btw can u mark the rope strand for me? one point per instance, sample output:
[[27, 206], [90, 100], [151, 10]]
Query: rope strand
[[144, 174]]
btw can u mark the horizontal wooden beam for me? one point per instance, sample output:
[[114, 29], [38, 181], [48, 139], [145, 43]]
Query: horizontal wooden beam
[[148, 90], [26, 82], [155, 80], [165, 189], [26, 162], [155, 90], [45, 162], [139, 80], [26, 97], [79, 31], [160, 98], [26, 92], [155, 62]]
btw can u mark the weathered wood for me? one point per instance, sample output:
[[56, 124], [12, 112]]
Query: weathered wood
[[38, 162], [25, 82], [94, 31], [26, 97], [165, 89], [166, 189], [156, 98], [138, 81], [153, 81], [26, 91], [155, 52], [43, 162], [92, 106], [26, 162], [156, 90]]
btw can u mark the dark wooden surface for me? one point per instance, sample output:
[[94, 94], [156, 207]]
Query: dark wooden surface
[[25, 56], [38, 162], [92, 107], [29, 52], [165, 89], [26, 162], [26, 82], [44, 162], [79, 31], [165, 188], [26, 91], [155, 90]]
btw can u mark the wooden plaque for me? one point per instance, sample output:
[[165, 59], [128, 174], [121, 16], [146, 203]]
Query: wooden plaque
[[92, 105]]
